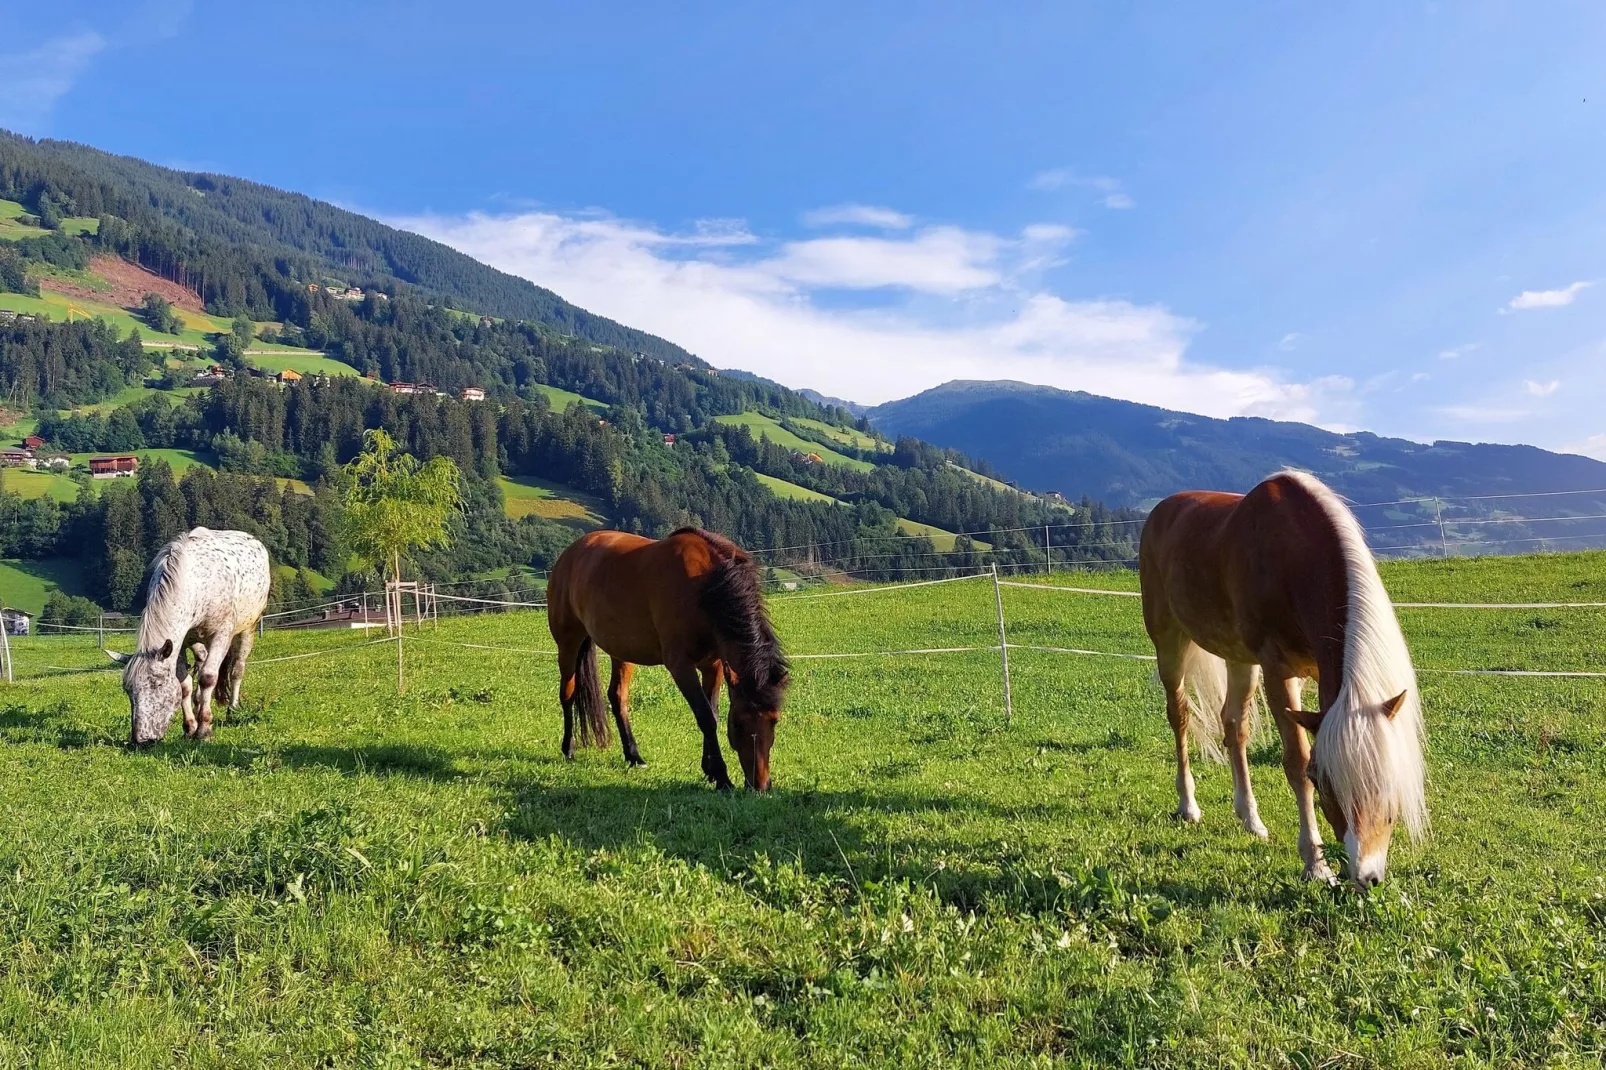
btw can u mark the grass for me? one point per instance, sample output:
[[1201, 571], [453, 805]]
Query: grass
[[767, 427], [346, 877], [941, 540], [305, 361], [29, 483], [560, 400], [27, 584], [846, 435], [782, 488], [527, 496], [179, 459], [13, 229]]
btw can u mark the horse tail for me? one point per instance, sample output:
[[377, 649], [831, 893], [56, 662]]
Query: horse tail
[[1205, 677], [593, 712]]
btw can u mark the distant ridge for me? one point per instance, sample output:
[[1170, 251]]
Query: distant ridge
[[1124, 453]]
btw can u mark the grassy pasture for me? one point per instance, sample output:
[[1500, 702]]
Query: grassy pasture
[[345, 877], [305, 361], [767, 427], [783, 488], [27, 584], [524, 496], [560, 400], [845, 435]]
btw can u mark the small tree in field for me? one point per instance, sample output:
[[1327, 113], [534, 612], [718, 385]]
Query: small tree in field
[[395, 505]]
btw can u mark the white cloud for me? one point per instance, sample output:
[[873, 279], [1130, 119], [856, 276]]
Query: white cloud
[[1593, 446], [32, 82], [1457, 352], [1484, 414], [1531, 299], [1541, 390], [951, 304], [1289, 342], [863, 215], [1112, 195]]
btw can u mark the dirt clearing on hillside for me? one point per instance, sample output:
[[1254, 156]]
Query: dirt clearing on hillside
[[129, 285]]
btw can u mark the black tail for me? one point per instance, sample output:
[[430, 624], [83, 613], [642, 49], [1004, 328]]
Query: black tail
[[591, 711]]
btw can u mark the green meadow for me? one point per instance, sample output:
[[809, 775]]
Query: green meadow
[[346, 876], [768, 427]]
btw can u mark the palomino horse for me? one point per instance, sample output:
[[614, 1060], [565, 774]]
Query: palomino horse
[[207, 591], [1280, 581], [690, 602]]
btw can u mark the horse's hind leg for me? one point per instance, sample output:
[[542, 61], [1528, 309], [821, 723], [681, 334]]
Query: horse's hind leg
[[1170, 657], [1283, 694], [619, 700], [568, 664], [234, 665], [1237, 720]]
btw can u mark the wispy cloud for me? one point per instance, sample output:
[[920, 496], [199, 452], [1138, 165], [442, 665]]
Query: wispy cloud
[[32, 82], [1593, 446], [1484, 414], [1290, 342], [1531, 299], [1457, 352], [862, 215], [949, 303], [1110, 189], [1541, 390]]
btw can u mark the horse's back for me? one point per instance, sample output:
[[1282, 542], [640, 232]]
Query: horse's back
[[1238, 570]]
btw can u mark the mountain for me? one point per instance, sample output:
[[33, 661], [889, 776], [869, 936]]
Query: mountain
[[250, 337], [275, 224], [830, 402], [1125, 453]]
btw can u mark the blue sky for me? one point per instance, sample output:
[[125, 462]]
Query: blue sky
[[1389, 216]]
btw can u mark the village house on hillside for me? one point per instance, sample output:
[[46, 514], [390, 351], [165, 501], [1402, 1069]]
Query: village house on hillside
[[33, 442], [288, 376], [17, 457], [473, 393], [111, 467]]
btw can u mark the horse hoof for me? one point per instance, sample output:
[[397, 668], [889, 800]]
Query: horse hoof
[[1322, 873], [1258, 831], [636, 763], [1189, 815]]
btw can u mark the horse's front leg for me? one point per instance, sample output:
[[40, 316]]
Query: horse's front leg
[[210, 667], [691, 688], [1283, 694], [1236, 719], [187, 687]]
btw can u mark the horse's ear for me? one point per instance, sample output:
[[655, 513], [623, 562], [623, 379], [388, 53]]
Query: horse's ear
[[1392, 706], [117, 657], [167, 650]]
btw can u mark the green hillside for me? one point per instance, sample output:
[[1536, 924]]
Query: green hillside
[[26, 585], [763, 426], [560, 400], [527, 496], [784, 489]]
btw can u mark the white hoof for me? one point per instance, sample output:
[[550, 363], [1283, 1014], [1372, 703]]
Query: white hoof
[[1256, 829], [1190, 814], [1322, 872]]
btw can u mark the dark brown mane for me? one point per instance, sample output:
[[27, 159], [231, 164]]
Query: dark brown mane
[[735, 604]]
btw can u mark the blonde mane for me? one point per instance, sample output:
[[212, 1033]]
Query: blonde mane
[[1366, 756], [163, 612]]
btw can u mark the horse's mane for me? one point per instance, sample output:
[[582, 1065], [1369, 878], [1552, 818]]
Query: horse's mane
[[1365, 754], [735, 605], [157, 623]]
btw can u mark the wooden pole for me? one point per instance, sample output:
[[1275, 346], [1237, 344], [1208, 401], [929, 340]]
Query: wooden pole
[[100, 630], [1003, 646], [1048, 555], [1438, 516]]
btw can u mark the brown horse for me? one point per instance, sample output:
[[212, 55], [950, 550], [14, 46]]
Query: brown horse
[[1280, 581], [690, 602]]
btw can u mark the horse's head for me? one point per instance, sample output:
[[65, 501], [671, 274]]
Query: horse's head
[[1367, 767], [755, 709], [154, 680]]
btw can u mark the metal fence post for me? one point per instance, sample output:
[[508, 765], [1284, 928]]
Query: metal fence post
[[1003, 646], [5, 644]]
